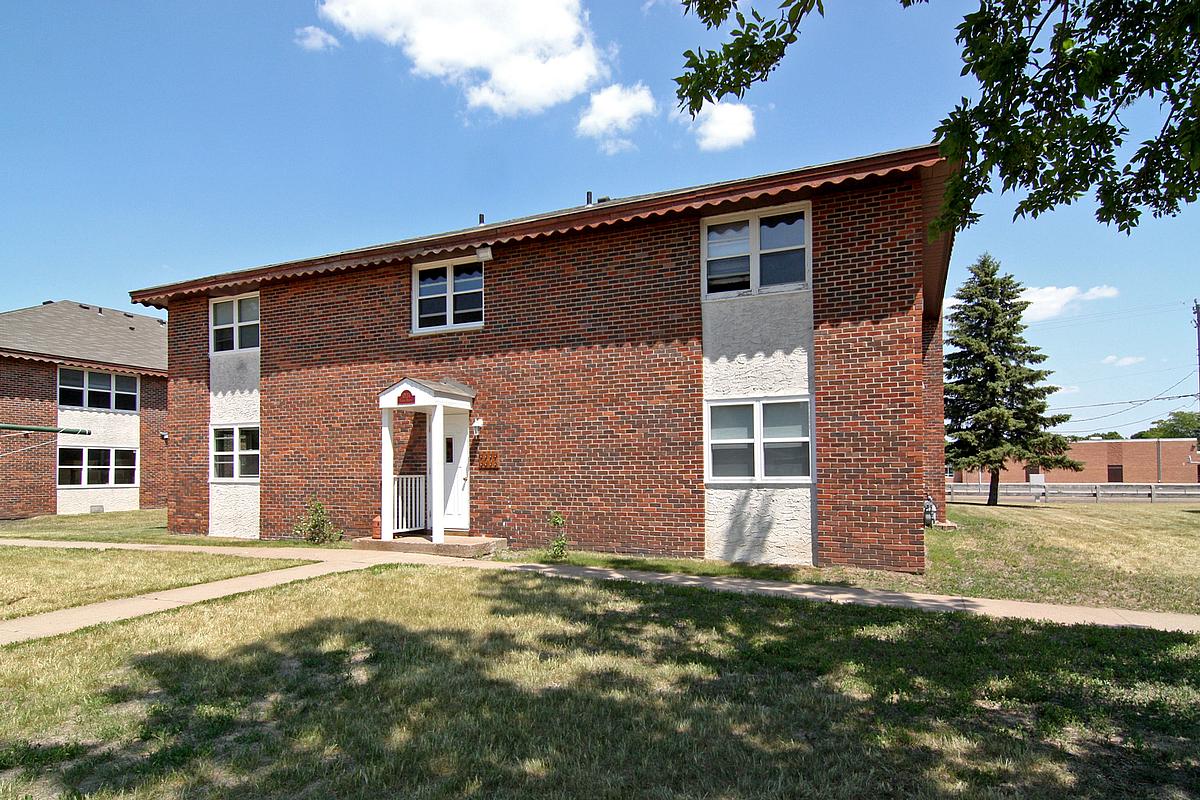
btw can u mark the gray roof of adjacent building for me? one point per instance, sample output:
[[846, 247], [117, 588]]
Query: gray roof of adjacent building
[[71, 331]]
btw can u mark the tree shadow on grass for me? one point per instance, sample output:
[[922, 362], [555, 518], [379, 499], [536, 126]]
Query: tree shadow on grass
[[625, 690]]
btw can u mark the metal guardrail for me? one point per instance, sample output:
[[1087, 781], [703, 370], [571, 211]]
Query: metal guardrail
[[1080, 491], [409, 497]]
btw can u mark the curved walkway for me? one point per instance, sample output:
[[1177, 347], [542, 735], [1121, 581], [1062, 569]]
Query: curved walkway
[[329, 561]]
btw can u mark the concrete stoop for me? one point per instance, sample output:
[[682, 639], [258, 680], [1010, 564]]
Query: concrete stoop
[[453, 546]]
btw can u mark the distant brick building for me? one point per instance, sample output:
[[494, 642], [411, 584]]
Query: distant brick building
[[74, 365], [748, 370], [1113, 461]]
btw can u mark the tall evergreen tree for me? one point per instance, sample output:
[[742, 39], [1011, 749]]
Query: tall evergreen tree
[[996, 398]]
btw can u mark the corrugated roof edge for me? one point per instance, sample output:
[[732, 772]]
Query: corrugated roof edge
[[85, 363], [562, 221]]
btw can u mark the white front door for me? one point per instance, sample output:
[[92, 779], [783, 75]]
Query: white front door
[[458, 478]]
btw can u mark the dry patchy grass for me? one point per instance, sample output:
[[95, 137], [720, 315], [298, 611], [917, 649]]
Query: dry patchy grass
[[1117, 555], [142, 527], [428, 683], [36, 580]]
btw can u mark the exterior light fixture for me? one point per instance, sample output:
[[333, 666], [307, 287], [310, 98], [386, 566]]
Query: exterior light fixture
[[483, 253], [477, 427]]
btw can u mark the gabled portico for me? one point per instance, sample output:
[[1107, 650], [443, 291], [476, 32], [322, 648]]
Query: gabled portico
[[447, 407]]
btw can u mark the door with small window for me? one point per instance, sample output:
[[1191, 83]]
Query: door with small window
[[457, 485]]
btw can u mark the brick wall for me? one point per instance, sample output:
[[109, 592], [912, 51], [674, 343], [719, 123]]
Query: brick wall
[[935, 413], [28, 397], [1139, 460], [153, 452], [869, 377], [187, 416], [588, 374], [589, 378]]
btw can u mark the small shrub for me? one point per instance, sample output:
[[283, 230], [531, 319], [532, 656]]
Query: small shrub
[[558, 545], [315, 525]]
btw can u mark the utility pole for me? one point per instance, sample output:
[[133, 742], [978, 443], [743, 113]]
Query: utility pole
[[1196, 322]]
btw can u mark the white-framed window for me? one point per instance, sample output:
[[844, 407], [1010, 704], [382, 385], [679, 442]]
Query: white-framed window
[[107, 391], [447, 295], [949, 473], [758, 440], [235, 454], [234, 323], [97, 466], [767, 250]]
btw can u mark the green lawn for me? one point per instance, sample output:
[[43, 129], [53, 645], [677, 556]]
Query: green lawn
[[1111, 554], [144, 527], [423, 683], [35, 580]]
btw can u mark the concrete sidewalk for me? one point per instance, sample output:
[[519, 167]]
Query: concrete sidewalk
[[331, 561]]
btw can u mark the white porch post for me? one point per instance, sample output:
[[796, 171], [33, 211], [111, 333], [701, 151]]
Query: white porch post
[[436, 460], [387, 504]]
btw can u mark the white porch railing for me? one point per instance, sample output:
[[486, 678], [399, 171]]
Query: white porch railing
[[409, 494]]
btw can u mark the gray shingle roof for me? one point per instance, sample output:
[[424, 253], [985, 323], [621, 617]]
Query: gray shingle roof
[[84, 332]]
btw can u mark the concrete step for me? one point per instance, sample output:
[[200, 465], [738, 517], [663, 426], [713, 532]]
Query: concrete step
[[454, 546]]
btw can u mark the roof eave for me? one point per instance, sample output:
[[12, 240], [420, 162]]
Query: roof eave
[[583, 218]]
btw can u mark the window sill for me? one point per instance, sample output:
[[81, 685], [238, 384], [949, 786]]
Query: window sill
[[234, 481], [103, 486], [752, 483], [126, 411], [791, 288], [220, 353], [474, 326]]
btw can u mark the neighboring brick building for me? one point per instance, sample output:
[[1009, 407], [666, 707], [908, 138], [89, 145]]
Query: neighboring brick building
[[748, 370], [72, 365], [1114, 461]]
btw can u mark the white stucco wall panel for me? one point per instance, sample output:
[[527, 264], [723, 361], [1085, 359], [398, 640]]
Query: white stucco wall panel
[[756, 346], [759, 346], [111, 498], [233, 384], [761, 525], [233, 510], [109, 428]]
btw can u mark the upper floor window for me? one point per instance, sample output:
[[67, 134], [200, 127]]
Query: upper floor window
[[85, 388], [448, 296], [759, 441], [763, 251], [235, 323]]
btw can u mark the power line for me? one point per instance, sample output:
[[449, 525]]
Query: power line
[[1122, 375], [1156, 417], [1127, 402], [1100, 316], [1141, 403]]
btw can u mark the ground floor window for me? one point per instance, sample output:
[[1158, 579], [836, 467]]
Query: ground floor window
[[235, 454], [760, 440], [97, 466]]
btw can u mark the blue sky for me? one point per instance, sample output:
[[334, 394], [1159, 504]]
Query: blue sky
[[144, 142]]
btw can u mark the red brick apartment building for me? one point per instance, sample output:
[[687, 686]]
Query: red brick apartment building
[[79, 366], [1113, 461], [749, 370]]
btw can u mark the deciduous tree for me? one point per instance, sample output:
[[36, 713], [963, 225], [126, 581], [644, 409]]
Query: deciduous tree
[[1056, 82]]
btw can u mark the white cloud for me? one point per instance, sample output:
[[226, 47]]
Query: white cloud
[[310, 37], [1048, 302], [1123, 361], [613, 112], [510, 56], [1067, 390], [720, 126]]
